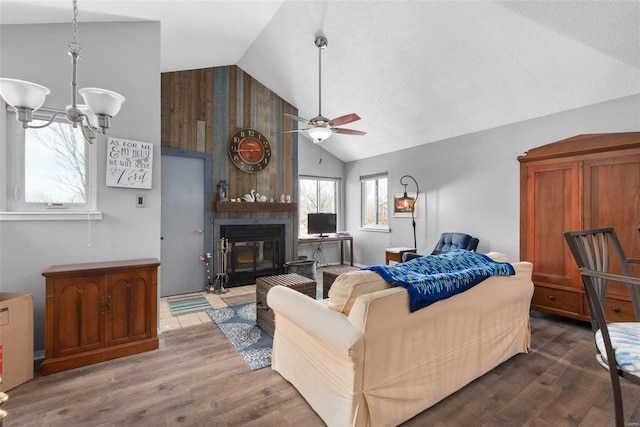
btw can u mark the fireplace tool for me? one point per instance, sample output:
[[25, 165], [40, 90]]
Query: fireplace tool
[[221, 277]]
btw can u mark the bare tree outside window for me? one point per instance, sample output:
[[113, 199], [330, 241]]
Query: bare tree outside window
[[55, 165], [374, 201], [317, 195]]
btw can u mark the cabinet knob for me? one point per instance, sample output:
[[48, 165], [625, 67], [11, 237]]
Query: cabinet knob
[[616, 309], [552, 298], [109, 303]]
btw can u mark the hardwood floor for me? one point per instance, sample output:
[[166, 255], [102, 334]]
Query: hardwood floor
[[196, 378]]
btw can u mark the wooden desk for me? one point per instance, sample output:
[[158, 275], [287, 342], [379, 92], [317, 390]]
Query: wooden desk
[[341, 239]]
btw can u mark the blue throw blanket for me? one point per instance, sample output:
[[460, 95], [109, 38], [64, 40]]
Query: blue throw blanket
[[432, 278]]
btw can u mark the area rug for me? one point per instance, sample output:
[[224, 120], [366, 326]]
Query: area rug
[[238, 299], [188, 304], [238, 323]]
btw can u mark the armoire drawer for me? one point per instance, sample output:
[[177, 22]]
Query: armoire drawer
[[557, 298], [615, 310]]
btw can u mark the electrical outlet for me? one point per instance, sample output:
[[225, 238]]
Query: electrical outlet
[[139, 201]]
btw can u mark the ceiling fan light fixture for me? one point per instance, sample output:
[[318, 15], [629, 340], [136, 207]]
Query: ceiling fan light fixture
[[321, 127], [319, 133]]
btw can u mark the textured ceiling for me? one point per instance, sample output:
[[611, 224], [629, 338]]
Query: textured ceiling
[[415, 71]]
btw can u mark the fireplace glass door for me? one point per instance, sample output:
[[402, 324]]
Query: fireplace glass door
[[254, 251]]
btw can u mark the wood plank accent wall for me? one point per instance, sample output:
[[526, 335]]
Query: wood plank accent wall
[[219, 101]]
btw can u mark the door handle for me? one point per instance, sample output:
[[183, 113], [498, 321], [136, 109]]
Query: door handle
[[199, 231]]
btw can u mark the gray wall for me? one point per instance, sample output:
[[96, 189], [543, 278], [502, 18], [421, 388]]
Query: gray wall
[[309, 155], [472, 182], [124, 57]]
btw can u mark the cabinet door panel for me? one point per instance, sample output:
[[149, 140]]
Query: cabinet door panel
[[613, 200], [78, 319], [553, 206], [128, 318]]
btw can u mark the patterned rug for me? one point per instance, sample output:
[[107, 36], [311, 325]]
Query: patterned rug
[[188, 304], [238, 323], [238, 299]]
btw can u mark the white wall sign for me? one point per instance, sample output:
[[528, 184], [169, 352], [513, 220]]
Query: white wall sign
[[129, 163]]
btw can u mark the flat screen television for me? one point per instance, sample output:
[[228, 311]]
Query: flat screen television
[[321, 223]]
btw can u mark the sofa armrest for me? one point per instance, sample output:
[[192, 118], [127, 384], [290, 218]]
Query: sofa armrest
[[327, 326], [408, 256]]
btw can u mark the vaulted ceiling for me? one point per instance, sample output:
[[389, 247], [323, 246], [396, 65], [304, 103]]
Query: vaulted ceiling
[[415, 71]]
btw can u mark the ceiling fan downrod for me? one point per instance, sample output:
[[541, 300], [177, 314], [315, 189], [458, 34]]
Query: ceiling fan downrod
[[321, 43]]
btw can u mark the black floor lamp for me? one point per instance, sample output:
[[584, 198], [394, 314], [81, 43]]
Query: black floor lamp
[[406, 201]]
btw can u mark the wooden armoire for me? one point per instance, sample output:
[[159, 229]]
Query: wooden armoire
[[583, 182]]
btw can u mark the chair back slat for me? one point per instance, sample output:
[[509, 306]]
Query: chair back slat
[[592, 250]]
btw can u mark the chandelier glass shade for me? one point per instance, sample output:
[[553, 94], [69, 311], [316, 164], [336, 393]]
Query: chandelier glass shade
[[94, 116], [19, 93]]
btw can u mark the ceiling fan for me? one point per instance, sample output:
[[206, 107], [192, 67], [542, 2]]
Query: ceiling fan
[[320, 127]]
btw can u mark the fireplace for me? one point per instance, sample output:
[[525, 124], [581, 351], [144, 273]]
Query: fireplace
[[255, 250]]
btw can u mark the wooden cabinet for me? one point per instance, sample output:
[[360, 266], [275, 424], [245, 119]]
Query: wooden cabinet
[[99, 311], [588, 181]]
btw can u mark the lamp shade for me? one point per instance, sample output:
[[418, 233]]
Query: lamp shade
[[102, 101], [93, 120], [20, 93], [320, 133], [405, 203]]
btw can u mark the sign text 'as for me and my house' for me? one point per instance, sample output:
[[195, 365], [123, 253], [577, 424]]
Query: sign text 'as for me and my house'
[[129, 163]]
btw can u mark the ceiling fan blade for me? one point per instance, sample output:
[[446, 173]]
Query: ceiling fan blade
[[349, 131], [298, 118], [343, 120]]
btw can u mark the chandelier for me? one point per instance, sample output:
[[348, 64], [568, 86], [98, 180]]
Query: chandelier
[[93, 117]]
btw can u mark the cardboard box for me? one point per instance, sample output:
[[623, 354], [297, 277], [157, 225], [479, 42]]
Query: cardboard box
[[16, 339]]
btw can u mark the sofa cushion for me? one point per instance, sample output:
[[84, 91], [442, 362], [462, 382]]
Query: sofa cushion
[[350, 285], [497, 256]]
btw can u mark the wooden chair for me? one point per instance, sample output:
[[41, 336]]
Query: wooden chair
[[617, 344]]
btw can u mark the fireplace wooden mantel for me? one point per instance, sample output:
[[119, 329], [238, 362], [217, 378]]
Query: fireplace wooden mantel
[[255, 207]]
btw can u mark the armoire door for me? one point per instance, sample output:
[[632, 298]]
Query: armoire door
[[552, 207], [612, 199]]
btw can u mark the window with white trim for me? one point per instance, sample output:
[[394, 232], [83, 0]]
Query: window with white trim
[[316, 195], [374, 202], [52, 168]]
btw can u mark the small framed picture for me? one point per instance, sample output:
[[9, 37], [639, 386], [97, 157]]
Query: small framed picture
[[402, 207]]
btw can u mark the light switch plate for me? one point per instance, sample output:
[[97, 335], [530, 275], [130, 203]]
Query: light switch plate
[[139, 201]]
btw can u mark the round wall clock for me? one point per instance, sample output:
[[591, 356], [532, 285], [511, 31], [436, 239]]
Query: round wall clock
[[249, 150]]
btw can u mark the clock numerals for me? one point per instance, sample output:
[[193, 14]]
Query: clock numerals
[[249, 150]]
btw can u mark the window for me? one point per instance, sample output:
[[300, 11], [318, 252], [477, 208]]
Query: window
[[317, 195], [49, 169], [374, 202]]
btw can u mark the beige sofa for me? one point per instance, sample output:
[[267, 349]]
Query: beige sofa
[[380, 365]]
